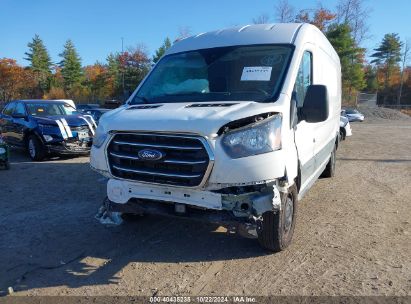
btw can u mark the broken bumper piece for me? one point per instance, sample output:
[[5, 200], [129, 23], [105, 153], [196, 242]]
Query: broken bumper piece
[[107, 216], [233, 207]]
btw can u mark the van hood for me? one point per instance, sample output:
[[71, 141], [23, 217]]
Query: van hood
[[72, 120], [202, 118]]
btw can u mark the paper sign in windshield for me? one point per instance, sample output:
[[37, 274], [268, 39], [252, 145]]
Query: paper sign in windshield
[[256, 74]]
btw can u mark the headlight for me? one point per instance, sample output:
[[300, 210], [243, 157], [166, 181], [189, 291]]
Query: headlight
[[2, 150], [99, 138], [261, 137]]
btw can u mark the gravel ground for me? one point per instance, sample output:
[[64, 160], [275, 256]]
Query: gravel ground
[[379, 114], [352, 235]]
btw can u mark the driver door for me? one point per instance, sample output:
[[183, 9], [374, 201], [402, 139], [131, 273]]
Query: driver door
[[304, 132]]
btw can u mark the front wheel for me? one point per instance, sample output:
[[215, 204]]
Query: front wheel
[[35, 148], [277, 227]]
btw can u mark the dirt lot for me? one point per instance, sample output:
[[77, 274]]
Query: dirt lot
[[352, 235]]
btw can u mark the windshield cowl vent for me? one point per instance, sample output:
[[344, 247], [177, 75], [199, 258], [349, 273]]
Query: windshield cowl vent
[[142, 107], [209, 105]]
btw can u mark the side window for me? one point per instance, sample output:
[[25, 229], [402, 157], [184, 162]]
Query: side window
[[20, 110], [8, 110], [304, 78]]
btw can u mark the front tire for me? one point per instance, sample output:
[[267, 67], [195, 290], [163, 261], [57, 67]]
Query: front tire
[[277, 227], [35, 148]]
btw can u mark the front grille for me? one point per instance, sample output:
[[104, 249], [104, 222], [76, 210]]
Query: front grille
[[184, 159]]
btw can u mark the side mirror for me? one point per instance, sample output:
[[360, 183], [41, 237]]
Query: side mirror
[[316, 105]]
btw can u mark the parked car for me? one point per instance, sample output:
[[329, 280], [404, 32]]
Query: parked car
[[46, 127], [69, 101], [345, 128], [232, 127], [96, 113], [353, 115], [87, 106]]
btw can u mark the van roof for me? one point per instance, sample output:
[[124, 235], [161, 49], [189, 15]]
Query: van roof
[[275, 33]]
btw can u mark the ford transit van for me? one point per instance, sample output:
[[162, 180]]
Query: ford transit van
[[231, 126]]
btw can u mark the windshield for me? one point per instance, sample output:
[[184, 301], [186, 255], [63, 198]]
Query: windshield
[[50, 109], [235, 73], [351, 111]]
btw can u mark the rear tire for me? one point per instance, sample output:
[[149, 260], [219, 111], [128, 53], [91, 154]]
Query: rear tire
[[277, 227], [329, 170], [35, 148], [342, 133]]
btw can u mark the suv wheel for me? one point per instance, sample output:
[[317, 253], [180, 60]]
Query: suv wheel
[[35, 148], [329, 170], [277, 227]]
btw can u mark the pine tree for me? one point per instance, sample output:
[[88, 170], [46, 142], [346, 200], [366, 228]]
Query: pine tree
[[388, 54], [162, 49], [40, 62], [70, 66], [350, 57]]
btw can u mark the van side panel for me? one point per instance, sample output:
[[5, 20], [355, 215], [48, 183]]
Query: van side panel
[[328, 73]]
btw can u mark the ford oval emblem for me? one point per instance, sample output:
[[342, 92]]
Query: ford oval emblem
[[148, 154]]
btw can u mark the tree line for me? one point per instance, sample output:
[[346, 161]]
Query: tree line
[[114, 79], [346, 27], [386, 73]]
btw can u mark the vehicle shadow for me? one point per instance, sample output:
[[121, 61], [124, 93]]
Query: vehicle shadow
[[50, 237], [375, 160]]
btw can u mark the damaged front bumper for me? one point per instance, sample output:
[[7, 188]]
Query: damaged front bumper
[[233, 206], [69, 147]]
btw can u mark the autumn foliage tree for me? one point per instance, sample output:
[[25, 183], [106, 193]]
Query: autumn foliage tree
[[15, 81], [320, 17], [135, 65], [98, 80]]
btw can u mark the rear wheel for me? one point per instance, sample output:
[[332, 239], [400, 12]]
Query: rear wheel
[[342, 133], [277, 227], [329, 170], [35, 148]]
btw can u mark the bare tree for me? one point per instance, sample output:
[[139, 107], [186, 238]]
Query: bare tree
[[284, 12], [183, 32], [261, 19], [405, 57], [355, 14]]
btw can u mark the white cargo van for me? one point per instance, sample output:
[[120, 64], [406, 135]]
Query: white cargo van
[[231, 126]]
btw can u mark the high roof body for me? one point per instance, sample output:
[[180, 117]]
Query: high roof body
[[276, 33]]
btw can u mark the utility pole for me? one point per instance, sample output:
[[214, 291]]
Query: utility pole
[[122, 70], [407, 47]]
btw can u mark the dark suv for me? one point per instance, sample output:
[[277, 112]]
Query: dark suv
[[46, 127]]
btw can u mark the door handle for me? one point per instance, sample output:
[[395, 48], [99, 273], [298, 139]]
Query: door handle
[[313, 140]]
